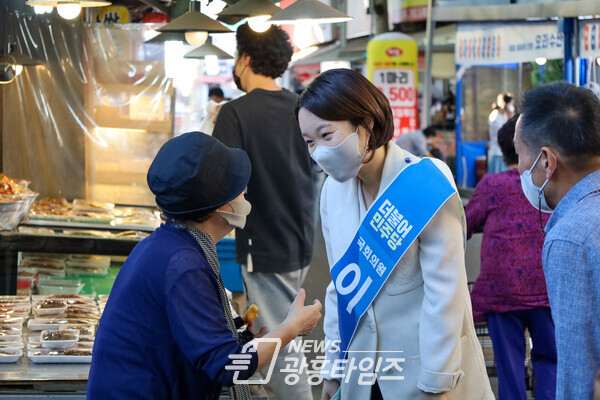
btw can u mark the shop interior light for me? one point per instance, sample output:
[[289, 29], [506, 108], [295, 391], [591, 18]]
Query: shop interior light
[[173, 55], [598, 61], [259, 23], [257, 12], [68, 9], [42, 9], [309, 11], [540, 61], [196, 38], [194, 21], [206, 50], [11, 65]]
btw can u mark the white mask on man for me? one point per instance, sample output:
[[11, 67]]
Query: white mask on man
[[535, 194]]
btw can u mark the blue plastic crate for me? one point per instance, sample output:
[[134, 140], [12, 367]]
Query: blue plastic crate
[[231, 272]]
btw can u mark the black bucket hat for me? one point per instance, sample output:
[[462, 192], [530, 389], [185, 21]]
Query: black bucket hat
[[194, 174]]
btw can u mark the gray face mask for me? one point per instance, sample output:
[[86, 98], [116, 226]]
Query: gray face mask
[[237, 218]]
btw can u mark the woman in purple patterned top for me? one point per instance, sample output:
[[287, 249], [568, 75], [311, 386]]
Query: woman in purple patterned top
[[510, 292]]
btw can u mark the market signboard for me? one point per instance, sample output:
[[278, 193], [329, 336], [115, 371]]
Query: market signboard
[[392, 62], [407, 10], [501, 43], [589, 38]]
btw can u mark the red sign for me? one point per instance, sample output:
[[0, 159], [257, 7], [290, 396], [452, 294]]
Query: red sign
[[393, 52]]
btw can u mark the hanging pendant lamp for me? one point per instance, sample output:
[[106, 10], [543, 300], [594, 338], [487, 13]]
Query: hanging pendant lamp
[[208, 49], [195, 25], [309, 11]]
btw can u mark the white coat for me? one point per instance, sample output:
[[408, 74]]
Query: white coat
[[423, 309]]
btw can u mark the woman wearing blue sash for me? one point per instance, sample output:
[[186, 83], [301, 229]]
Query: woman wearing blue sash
[[398, 321]]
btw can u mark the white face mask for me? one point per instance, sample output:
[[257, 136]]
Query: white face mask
[[534, 194], [343, 161], [510, 108], [237, 218]]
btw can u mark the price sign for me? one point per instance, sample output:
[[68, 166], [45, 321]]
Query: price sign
[[392, 63], [399, 87]]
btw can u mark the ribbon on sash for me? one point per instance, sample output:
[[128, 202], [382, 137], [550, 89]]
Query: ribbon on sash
[[391, 225]]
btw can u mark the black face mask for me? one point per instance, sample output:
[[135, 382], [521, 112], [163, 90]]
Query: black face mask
[[236, 79]]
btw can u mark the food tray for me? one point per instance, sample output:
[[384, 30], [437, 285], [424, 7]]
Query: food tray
[[13, 358], [58, 359], [10, 339], [11, 210], [45, 323], [56, 286], [61, 343]]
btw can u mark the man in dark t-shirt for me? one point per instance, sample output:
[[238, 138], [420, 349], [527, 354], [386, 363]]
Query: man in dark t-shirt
[[275, 247]]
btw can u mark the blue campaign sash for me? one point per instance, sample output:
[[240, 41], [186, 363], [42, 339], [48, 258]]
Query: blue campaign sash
[[391, 225]]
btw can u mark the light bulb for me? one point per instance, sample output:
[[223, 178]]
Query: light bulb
[[68, 10], [18, 69], [598, 60], [259, 23], [540, 61], [42, 9], [196, 38]]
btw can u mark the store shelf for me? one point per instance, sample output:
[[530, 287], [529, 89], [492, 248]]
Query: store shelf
[[84, 225], [11, 243], [25, 371]]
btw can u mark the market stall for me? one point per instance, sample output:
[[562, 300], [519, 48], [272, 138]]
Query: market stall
[[501, 48]]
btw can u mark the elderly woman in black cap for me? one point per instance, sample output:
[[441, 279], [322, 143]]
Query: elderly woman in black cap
[[167, 331]]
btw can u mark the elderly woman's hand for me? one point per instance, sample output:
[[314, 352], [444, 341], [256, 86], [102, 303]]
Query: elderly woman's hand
[[258, 334], [302, 319]]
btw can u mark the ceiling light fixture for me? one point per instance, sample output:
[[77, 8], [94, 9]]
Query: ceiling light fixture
[[11, 65], [309, 11], [208, 49], [194, 21], [257, 11], [163, 37], [68, 9]]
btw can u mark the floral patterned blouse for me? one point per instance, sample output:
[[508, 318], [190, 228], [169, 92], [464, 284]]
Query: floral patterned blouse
[[511, 276]]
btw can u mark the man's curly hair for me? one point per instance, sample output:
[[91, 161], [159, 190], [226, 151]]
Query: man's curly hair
[[270, 51]]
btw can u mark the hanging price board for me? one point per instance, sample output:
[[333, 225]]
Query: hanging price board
[[392, 60]]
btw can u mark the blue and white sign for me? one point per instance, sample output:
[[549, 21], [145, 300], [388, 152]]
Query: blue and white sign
[[589, 38], [391, 225], [495, 43]]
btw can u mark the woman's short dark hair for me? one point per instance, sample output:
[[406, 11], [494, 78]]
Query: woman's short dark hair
[[270, 51], [346, 95], [563, 116], [506, 136]]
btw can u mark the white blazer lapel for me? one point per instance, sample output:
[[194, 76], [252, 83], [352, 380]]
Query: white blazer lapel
[[345, 219]]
